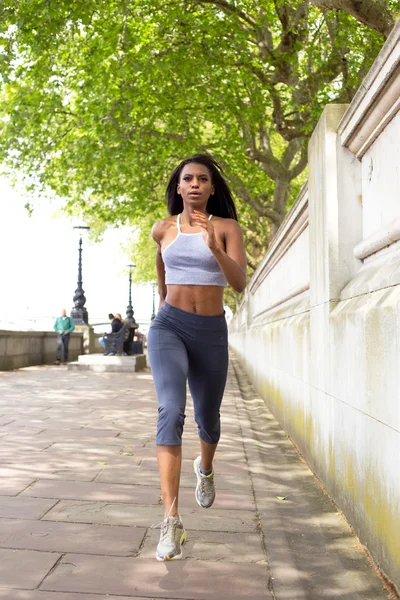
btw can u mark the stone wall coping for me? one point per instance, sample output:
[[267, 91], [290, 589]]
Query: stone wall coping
[[295, 292], [377, 100], [384, 237], [295, 223], [21, 333]]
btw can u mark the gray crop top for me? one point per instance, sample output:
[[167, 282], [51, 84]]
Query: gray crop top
[[189, 261]]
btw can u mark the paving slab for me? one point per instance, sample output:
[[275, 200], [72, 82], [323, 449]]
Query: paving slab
[[10, 430], [26, 508], [131, 494], [25, 569], [236, 499], [176, 579], [28, 444], [113, 446], [9, 594], [40, 471], [215, 546], [14, 486], [110, 513], [70, 537], [221, 467], [124, 474], [6, 420], [101, 492], [56, 434]]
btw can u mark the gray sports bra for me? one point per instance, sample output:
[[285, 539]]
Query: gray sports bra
[[189, 261]]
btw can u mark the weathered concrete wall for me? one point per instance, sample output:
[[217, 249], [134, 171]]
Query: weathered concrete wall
[[26, 348], [319, 326]]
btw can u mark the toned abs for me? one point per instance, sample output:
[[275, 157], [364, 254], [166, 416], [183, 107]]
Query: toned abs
[[199, 299]]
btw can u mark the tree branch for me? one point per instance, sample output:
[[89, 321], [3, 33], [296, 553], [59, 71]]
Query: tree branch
[[372, 13], [290, 152], [309, 86], [289, 129], [260, 210], [231, 9], [300, 165], [269, 163]]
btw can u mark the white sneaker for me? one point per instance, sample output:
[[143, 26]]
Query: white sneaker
[[205, 489], [172, 536]]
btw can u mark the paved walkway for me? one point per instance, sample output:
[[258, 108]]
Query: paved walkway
[[79, 492]]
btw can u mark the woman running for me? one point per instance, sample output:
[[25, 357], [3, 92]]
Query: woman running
[[199, 249]]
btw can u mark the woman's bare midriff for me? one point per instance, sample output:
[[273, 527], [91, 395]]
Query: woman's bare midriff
[[206, 300]]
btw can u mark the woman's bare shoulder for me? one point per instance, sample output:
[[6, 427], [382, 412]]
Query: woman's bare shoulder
[[161, 227]]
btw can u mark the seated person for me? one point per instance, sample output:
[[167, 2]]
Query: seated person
[[116, 325]]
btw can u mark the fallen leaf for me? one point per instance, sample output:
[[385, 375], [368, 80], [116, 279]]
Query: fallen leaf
[[281, 497]]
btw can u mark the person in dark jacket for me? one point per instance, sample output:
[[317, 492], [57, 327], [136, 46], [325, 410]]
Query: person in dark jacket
[[63, 326], [116, 325]]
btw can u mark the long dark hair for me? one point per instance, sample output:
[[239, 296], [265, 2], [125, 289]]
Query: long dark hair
[[221, 204]]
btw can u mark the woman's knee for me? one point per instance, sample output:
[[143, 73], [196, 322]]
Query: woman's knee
[[170, 424], [209, 430]]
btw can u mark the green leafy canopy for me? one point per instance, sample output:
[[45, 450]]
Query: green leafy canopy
[[99, 100]]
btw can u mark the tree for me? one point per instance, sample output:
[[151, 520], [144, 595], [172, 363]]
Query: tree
[[100, 99], [376, 14]]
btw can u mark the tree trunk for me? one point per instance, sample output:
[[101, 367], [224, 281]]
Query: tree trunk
[[281, 195]]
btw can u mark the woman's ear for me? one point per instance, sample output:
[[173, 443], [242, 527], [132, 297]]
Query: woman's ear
[[212, 190], [178, 189]]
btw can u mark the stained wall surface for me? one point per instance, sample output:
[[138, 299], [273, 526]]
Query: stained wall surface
[[319, 326]]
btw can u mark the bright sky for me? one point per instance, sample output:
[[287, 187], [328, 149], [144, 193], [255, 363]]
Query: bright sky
[[39, 266]]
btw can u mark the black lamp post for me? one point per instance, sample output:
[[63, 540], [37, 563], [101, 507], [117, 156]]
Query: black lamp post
[[79, 312], [129, 308], [153, 314]]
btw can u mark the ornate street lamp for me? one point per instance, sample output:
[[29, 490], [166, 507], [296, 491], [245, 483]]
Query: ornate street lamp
[[79, 313], [153, 314], [129, 308]]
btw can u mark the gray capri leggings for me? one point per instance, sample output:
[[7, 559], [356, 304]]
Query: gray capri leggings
[[187, 347]]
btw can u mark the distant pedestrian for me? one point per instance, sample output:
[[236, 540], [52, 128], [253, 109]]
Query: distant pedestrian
[[63, 326]]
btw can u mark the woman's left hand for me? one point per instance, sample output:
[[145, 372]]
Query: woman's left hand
[[208, 229]]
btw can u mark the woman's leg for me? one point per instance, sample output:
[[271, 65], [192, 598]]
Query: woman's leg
[[169, 364], [207, 454], [208, 367], [169, 465]]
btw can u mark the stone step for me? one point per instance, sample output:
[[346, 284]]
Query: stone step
[[109, 364]]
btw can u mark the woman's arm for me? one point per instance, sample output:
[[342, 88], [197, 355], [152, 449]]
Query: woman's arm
[[232, 260], [157, 234]]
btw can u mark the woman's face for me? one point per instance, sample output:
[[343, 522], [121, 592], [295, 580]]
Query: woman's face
[[195, 184]]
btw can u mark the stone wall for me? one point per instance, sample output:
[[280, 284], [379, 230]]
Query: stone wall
[[319, 326], [26, 348]]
